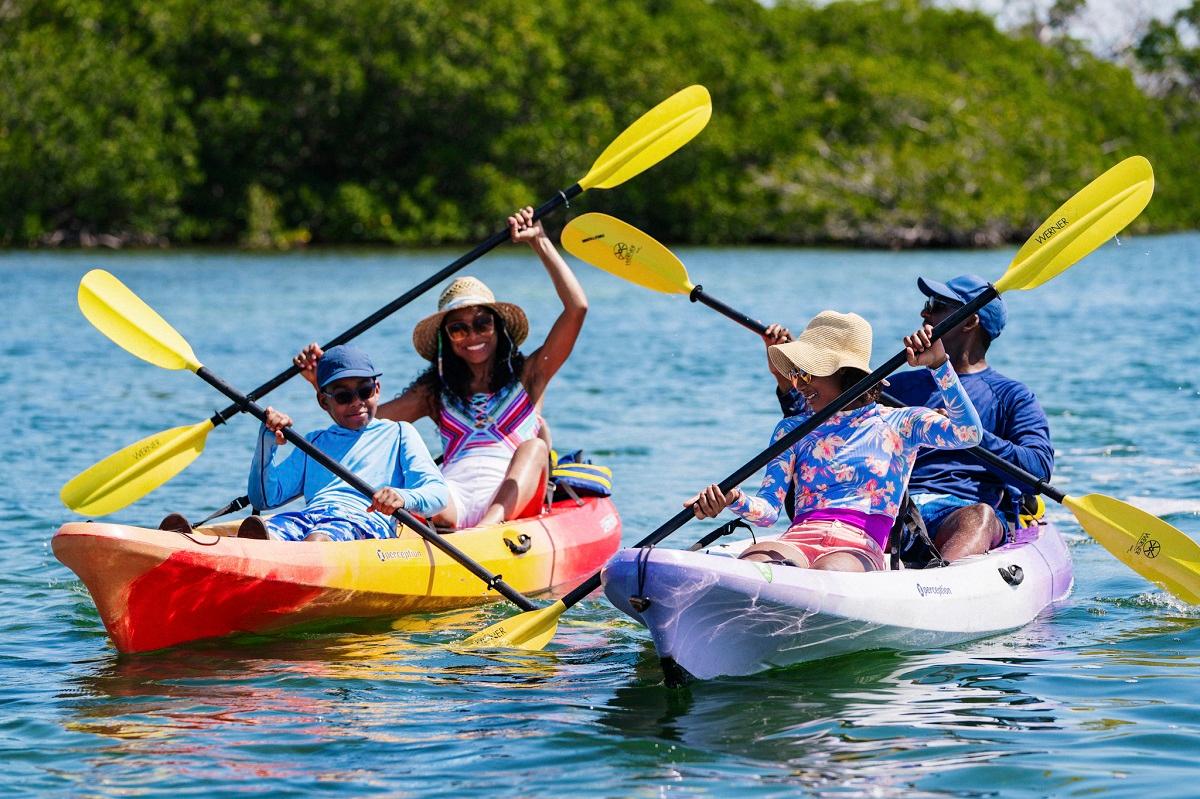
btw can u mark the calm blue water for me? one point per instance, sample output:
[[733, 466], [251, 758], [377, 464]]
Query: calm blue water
[[1099, 696]]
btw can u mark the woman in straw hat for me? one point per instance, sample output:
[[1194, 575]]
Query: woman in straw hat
[[850, 471], [483, 393]]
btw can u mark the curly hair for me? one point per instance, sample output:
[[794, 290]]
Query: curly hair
[[847, 376], [451, 378]]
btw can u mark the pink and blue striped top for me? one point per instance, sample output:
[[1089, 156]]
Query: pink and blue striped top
[[504, 419]]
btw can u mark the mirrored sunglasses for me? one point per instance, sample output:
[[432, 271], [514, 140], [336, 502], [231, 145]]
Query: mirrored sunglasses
[[801, 375]]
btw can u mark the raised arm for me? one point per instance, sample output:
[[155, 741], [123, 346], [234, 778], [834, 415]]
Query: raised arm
[[960, 428], [547, 359]]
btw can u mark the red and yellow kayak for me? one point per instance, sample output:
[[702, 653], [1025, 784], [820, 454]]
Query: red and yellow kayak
[[156, 589]]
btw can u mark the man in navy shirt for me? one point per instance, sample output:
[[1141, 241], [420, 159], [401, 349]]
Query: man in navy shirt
[[967, 508]]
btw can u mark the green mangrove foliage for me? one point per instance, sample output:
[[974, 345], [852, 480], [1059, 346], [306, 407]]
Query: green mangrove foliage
[[887, 123]]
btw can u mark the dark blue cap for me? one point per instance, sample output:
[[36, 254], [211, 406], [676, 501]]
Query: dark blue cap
[[963, 289], [341, 361]]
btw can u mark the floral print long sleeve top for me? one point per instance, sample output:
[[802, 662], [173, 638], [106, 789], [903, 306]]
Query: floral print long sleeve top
[[861, 459]]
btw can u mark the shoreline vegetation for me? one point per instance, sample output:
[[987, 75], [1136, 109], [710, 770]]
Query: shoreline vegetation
[[885, 123]]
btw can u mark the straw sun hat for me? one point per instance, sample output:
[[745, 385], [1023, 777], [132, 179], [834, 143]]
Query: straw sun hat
[[466, 292], [831, 341]]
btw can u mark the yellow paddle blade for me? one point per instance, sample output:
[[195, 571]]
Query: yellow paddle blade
[[121, 315], [1145, 543], [656, 134], [620, 249], [126, 476], [1094, 215], [532, 629]]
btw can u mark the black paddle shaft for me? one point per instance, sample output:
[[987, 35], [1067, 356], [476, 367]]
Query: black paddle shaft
[[698, 295], [1012, 470], [490, 244], [493, 581], [952, 321]]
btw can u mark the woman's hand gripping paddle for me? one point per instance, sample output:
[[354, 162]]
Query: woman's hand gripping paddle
[[130, 474], [1150, 546], [1097, 213], [133, 325]]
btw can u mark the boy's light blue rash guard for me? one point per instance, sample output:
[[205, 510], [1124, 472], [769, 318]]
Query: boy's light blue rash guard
[[382, 453]]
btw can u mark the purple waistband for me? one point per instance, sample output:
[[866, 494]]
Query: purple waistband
[[876, 525]]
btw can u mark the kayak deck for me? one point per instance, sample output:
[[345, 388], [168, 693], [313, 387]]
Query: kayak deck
[[155, 588], [713, 615]]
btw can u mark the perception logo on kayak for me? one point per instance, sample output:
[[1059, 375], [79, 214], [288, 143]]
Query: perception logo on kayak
[[402, 554], [1049, 232], [592, 238], [926, 590], [1146, 546], [625, 252]]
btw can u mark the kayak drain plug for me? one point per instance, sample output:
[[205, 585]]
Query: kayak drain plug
[[1013, 575]]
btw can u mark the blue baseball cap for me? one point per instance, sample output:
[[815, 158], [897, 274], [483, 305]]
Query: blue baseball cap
[[341, 361], [963, 289]]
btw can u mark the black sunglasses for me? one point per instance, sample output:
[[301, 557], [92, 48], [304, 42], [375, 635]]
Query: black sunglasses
[[344, 396], [935, 304]]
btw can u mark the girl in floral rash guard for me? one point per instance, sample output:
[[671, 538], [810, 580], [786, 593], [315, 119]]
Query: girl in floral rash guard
[[851, 471]]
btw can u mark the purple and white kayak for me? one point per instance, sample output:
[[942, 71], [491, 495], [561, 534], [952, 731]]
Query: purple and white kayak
[[712, 614]]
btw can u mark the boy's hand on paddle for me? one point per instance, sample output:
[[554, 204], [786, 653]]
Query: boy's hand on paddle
[[275, 422], [709, 503], [922, 350], [386, 500], [522, 227], [306, 362]]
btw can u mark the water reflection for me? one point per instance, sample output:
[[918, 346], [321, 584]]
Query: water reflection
[[882, 719]]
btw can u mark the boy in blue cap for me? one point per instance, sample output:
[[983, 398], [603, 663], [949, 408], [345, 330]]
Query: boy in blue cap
[[383, 453], [967, 508]]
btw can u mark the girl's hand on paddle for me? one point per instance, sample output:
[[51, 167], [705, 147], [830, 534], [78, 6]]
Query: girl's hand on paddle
[[275, 422], [386, 500], [776, 334], [922, 350], [522, 227], [709, 503], [306, 362]]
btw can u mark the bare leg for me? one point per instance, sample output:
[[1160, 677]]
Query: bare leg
[[317, 535], [448, 517], [522, 481], [972, 530], [839, 562]]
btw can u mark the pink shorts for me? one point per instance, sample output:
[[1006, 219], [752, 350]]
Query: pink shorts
[[810, 540]]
